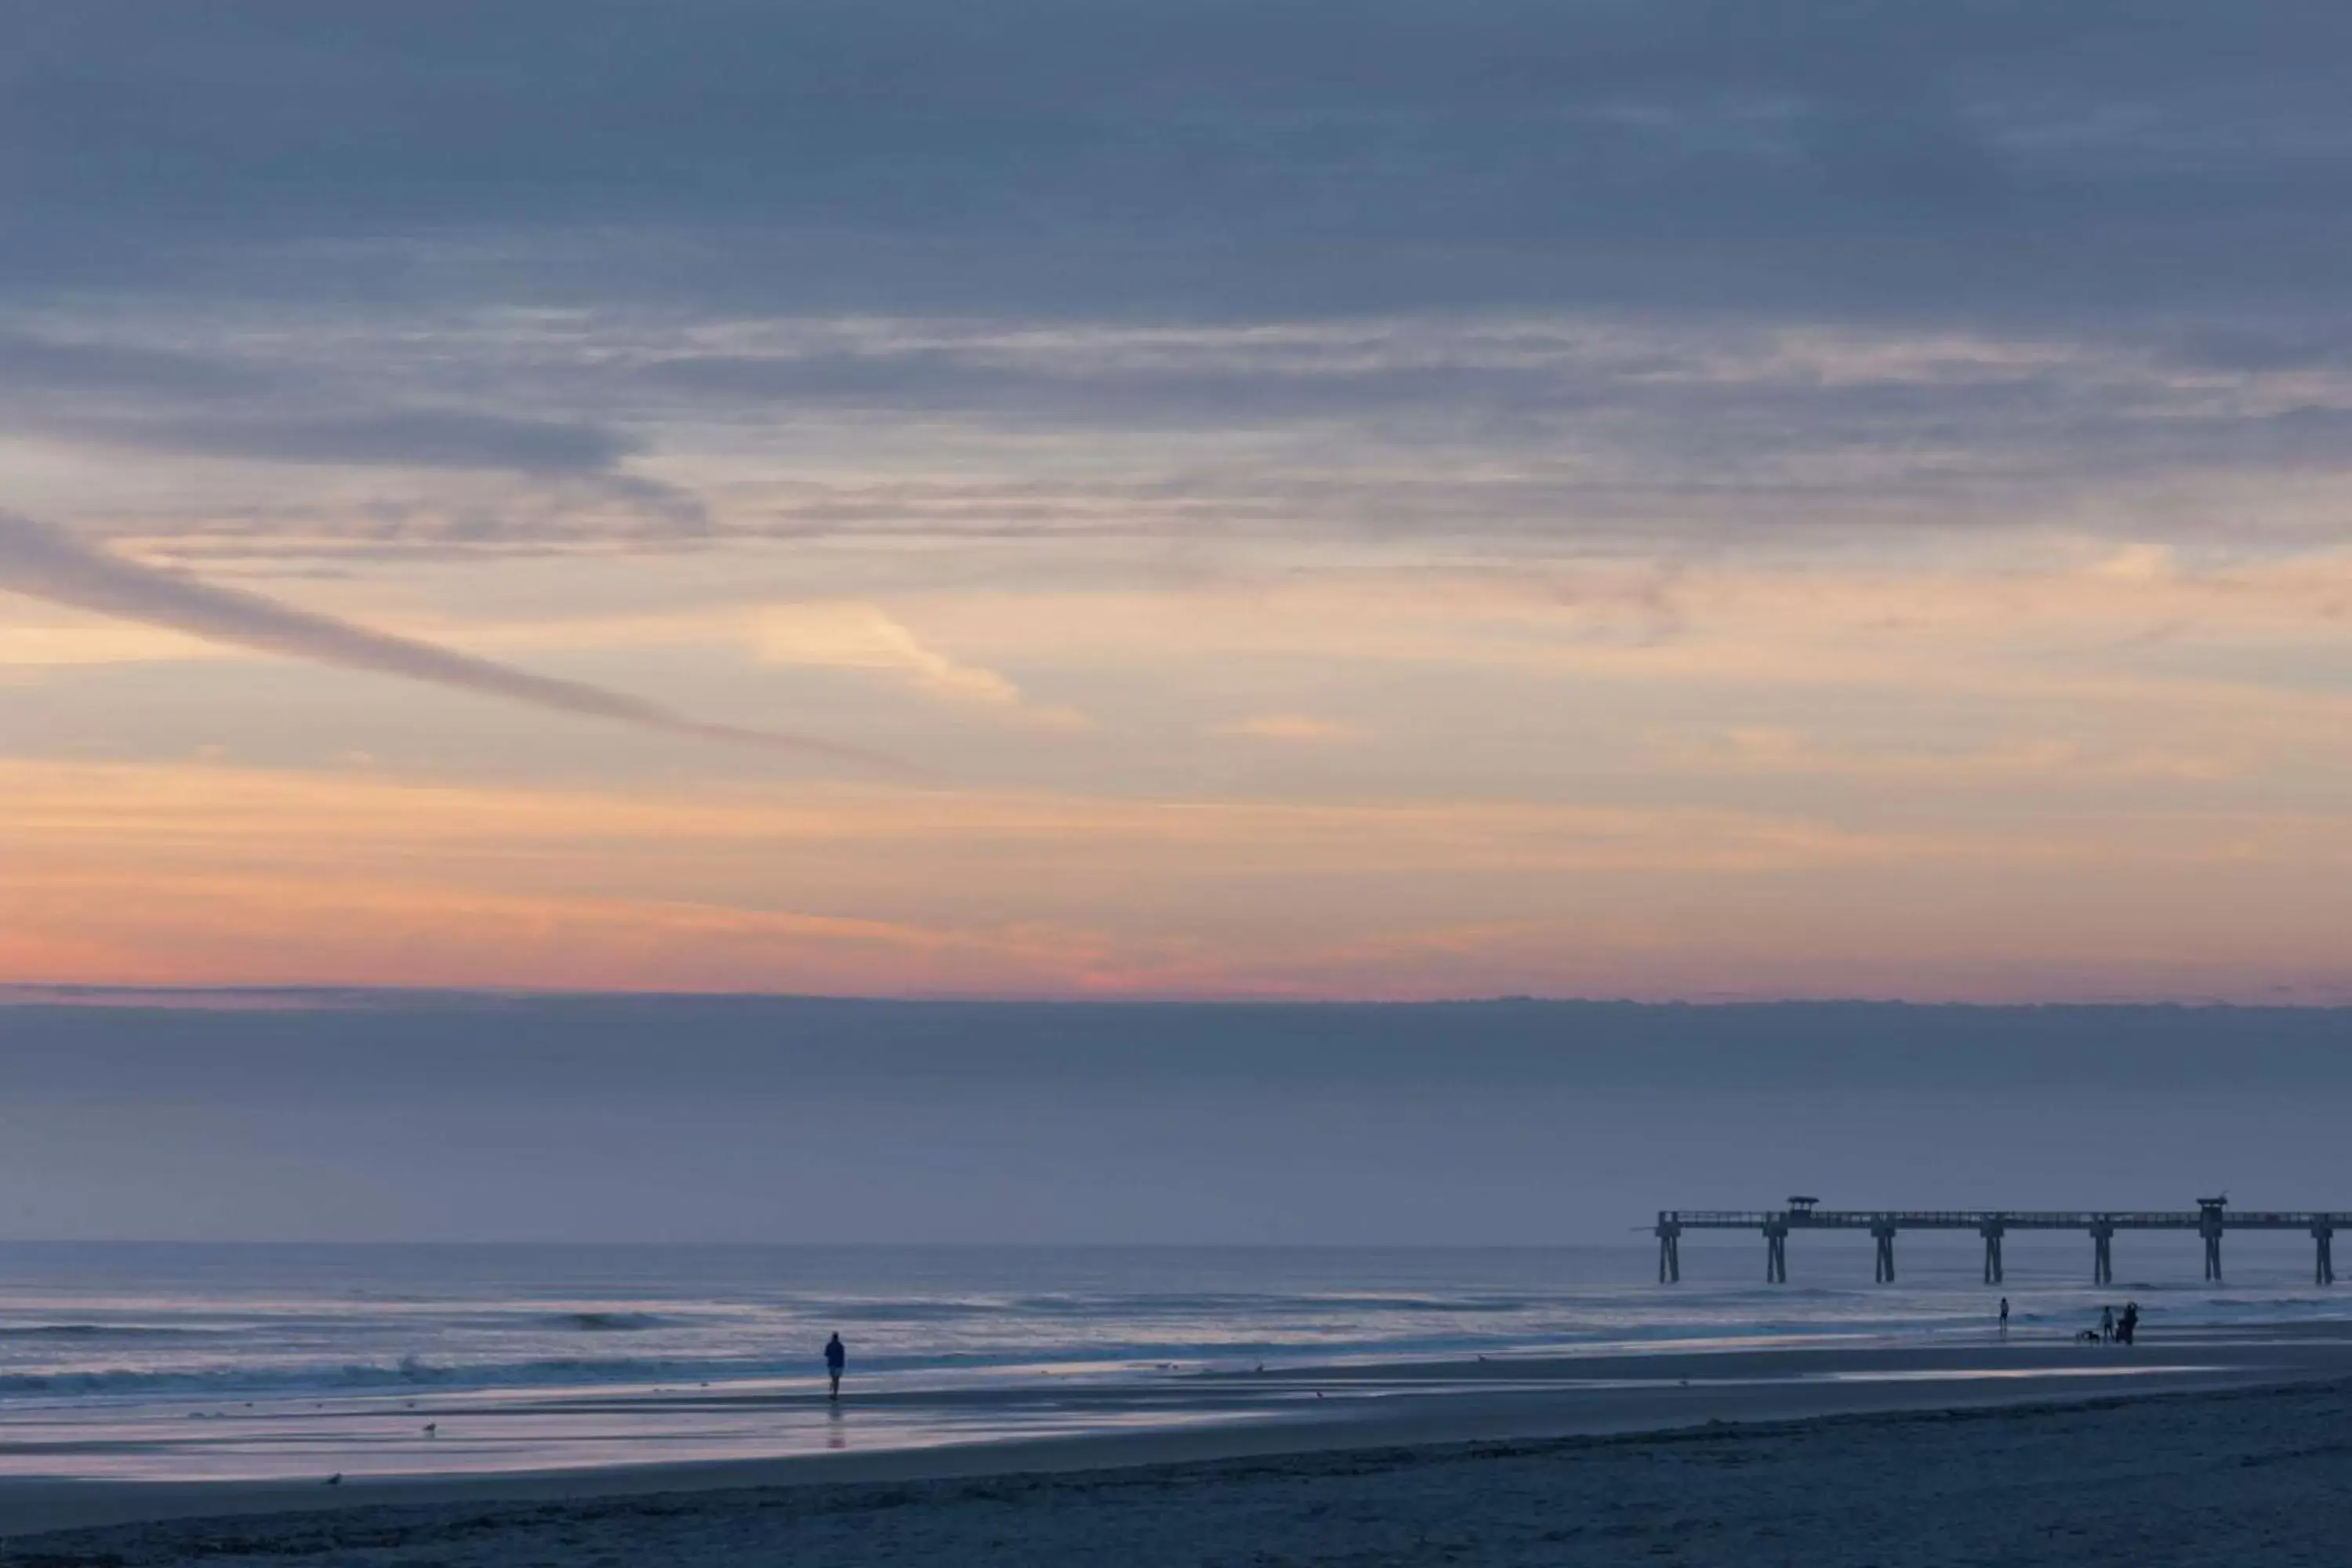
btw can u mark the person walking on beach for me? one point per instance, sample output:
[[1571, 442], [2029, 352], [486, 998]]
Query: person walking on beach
[[2108, 1325], [2004, 1317], [2129, 1326], [835, 1358]]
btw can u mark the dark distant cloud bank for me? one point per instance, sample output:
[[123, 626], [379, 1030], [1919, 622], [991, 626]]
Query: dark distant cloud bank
[[351, 1116]]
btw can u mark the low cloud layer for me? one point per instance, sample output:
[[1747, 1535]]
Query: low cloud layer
[[1522, 433], [45, 563]]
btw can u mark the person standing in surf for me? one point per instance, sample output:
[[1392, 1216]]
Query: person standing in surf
[[835, 1358]]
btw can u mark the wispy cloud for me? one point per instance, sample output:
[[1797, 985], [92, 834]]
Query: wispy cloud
[[865, 637], [45, 563], [133, 394]]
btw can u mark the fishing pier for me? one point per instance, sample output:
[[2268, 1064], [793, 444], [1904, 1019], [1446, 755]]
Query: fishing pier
[[2210, 1219]]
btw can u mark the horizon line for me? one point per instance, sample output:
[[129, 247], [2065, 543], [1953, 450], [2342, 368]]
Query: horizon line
[[325, 996]]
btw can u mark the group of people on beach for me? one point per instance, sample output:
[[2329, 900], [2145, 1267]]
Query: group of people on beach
[[2112, 1330]]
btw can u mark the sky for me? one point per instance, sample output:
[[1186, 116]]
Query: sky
[[1663, 500]]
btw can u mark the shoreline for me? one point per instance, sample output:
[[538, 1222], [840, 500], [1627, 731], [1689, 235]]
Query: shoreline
[[1323, 1411]]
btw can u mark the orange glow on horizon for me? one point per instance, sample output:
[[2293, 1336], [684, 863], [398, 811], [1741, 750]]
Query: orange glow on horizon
[[187, 875]]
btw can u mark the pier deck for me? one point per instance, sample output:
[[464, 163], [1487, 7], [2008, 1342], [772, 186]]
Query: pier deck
[[2210, 1219]]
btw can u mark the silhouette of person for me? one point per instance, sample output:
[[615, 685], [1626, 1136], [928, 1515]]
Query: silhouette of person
[[2129, 1326], [2004, 1317], [835, 1358], [2107, 1324]]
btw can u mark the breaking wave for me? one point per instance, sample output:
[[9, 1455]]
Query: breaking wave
[[608, 1322], [363, 1377], [79, 1332]]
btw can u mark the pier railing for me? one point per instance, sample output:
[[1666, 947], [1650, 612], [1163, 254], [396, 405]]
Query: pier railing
[[2212, 1218]]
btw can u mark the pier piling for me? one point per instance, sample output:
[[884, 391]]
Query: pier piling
[[1884, 1236]]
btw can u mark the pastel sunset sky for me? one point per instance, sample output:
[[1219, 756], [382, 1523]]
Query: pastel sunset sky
[[1665, 500]]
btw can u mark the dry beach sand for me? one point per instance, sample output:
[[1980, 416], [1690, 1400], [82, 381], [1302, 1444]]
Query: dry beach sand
[[2242, 1454]]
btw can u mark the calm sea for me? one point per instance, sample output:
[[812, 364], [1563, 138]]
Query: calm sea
[[187, 1361]]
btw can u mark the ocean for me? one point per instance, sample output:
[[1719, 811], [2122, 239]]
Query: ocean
[[210, 1362]]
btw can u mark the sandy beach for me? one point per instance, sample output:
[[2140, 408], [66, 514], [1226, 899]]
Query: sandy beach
[[2204, 1448]]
